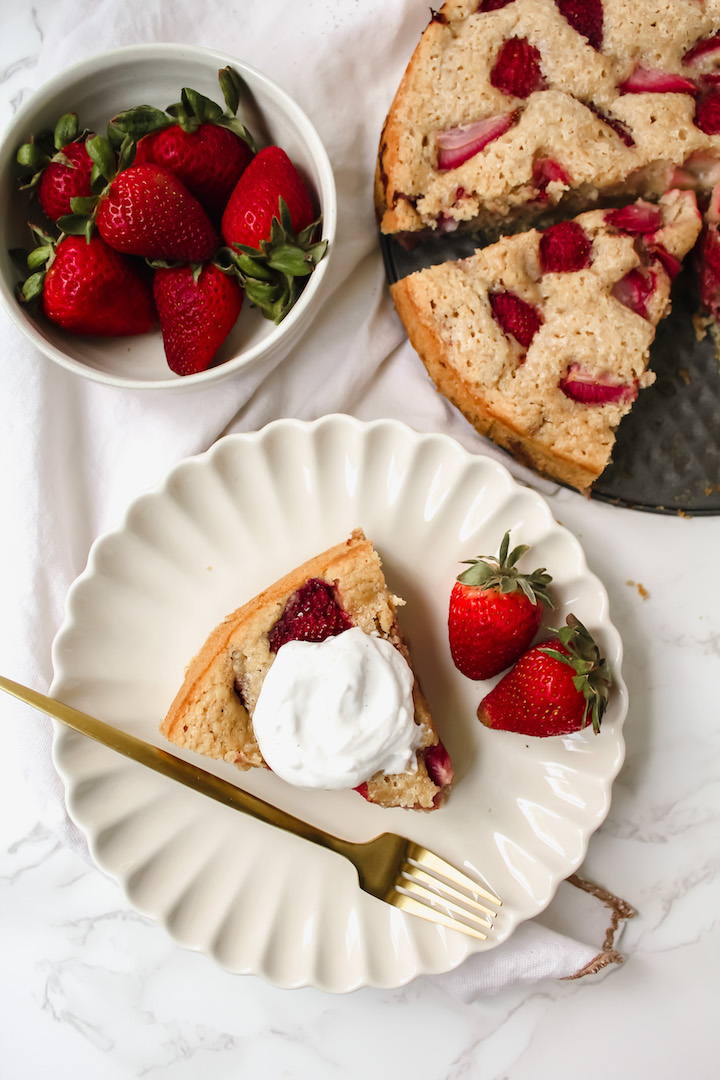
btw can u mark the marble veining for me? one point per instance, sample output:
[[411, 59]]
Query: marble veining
[[91, 988]]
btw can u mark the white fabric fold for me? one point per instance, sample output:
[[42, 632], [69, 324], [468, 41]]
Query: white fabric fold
[[75, 453], [577, 935]]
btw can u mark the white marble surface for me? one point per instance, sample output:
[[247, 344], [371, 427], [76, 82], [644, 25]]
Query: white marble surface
[[88, 988]]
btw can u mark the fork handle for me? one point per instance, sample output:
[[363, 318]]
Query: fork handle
[[192, 776]]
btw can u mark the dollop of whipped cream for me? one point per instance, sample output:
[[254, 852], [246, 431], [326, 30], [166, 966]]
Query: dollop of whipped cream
[[331, 714]]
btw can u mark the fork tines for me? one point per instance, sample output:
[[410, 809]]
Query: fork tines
[[435, 890]]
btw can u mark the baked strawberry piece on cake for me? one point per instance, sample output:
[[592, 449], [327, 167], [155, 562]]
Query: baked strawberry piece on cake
[[313, 679], [542, 339], [703, 176], [511, 107]]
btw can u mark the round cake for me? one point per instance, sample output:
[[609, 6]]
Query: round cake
[[519, 115]]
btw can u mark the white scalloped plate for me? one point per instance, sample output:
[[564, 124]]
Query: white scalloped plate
[[223, 526]]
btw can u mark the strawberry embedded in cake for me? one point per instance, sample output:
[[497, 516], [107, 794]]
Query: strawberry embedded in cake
[[508, 109], [542, 339], [702, 174], [302, 660]]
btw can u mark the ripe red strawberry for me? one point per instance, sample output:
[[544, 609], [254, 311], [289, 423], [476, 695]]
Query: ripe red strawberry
[[198, 307], [270, 229], [593, 388], [516, 316], [209, 161], [564, 247], [62, 170], [311, 614], [147, 211], [205, 147], [66, 176], [585, 17], [88, 288], [495, 611], [254, 203], [556, 688], [517, 70], [493, 5]]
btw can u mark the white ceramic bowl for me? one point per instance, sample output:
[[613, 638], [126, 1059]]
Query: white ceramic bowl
[[96, 89]]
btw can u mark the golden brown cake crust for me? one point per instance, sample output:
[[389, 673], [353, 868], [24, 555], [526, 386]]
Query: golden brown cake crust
[[428, 343], [211, 713]]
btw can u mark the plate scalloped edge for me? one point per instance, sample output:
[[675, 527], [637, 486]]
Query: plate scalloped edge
[[216, 532]]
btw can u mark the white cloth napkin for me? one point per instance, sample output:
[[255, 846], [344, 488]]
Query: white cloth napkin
[[75, 453]]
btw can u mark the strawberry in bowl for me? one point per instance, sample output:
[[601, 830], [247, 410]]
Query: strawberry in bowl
[[88, 288], [60, 167], [134, 169], [270, 228], [207, 147]]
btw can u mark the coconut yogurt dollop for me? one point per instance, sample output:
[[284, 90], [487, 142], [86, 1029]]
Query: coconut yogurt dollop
[[331, 714]]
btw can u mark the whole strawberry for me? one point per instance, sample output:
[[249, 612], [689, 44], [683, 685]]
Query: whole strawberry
[[206, 147], [198, 307], [209, 161], [270, 230], [61, 168], [65, 177], [147, 211], [141, 210], [88, 288], [556, 688], [255, 201], [495, 611]]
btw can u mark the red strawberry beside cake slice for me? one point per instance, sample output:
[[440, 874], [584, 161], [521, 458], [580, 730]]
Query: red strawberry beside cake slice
[[327, 628], [542, 339]]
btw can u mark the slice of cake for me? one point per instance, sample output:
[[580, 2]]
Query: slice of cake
[[542, 339], [339, 590], [511, 107]]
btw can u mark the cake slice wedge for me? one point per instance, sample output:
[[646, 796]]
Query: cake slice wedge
[[339, 589], [542, 339]]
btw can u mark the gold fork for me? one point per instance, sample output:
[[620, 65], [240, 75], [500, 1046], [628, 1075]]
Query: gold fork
[[390, 867]]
